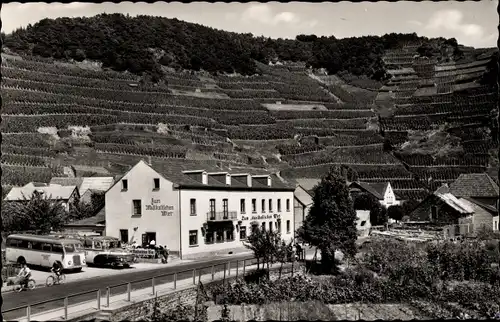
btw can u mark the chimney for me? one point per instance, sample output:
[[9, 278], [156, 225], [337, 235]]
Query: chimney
[[228, 179], [204, 178]]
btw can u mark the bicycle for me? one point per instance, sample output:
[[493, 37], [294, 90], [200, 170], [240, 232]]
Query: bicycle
[[29, 285], [55, 279]]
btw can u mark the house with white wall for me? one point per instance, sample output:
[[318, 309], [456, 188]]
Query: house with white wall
[[302, 203], [382, 191], [197, 212]]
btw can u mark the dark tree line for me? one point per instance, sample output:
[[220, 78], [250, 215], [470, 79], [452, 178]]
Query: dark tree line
[[145, 43]]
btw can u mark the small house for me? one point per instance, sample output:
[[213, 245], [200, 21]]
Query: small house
[[302, 204], [68, 195], [382, 191]]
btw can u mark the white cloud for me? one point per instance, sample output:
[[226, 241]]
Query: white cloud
[[451, 21], [263, 14], [415, 22]]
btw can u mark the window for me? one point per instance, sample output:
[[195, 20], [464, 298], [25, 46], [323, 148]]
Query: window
[[270, 205], [363, 223], [242, 206], [137, 207], [288, 205], [46, 247], [288, 226], [124, 185], [278, 226], [270, 226], [192, 207], [12, 242], [212, 209], [124, 235], [225, 209], [243, 233], [279, 205], [263, 226], [57, 248], [229, 235], [193, 238], [219, 235], [37, 246], [434, 212], [263, 205], [209, 237], [156, 183], [254, 205], [69, 248]]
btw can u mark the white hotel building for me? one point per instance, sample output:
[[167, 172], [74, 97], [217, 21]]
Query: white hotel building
[[197, 213]]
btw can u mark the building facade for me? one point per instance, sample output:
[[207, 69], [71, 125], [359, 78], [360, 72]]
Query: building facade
[[382, 191], [196, 213], [302, 203]]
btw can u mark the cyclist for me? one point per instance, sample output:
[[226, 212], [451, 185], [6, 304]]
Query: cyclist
[[24, 274], [57, 269]]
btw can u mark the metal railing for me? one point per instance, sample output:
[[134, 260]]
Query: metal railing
[[222, 215], [127, 286]]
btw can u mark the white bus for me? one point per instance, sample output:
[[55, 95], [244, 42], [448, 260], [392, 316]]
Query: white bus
[[44, 251]]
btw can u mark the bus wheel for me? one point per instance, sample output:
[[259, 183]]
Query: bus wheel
[[76, 270]]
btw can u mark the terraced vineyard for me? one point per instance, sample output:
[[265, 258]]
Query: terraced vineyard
[[285, 119]]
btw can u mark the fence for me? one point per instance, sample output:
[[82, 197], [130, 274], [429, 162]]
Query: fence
[[126, 288]]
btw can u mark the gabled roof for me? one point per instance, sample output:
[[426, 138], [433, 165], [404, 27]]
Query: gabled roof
[[54, 192], [303, 196], [478, 185], [489, 208], [85, 183], [376, 189], [452, 201], [307, 184], [174, 173]]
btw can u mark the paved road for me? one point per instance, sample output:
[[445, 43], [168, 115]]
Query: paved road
[[12, 300]]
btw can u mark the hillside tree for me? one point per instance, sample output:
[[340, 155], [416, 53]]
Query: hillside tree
[[395, 212], [331, 223], [38, 213], [367, 201]]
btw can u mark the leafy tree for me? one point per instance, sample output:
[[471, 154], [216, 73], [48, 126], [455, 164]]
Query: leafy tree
[[408, 206], [367, 201], [395, 212], [331, 222], [264, 244], [38, 213], [282, 251]]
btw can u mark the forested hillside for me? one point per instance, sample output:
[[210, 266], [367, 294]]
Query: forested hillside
[[401, 108], [145, 43]]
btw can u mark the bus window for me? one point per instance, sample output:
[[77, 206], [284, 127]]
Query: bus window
[[78, 247], [37, 246], [69, 248], [57, 248], [12, 242], [30, 245], [23, 244], [87, 243], [97, 245], [46, 247]]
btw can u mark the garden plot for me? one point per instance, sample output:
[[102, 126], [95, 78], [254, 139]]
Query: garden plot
[[315, 310]]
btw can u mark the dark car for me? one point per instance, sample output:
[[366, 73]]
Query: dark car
[[113, 260]]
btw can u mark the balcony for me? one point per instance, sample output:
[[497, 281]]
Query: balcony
[[222, 215]]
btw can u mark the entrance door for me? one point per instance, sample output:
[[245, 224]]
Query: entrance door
[[149, 237], [124, 235]]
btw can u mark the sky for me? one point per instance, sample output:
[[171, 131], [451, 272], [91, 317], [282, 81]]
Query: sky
[[472, 23]]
